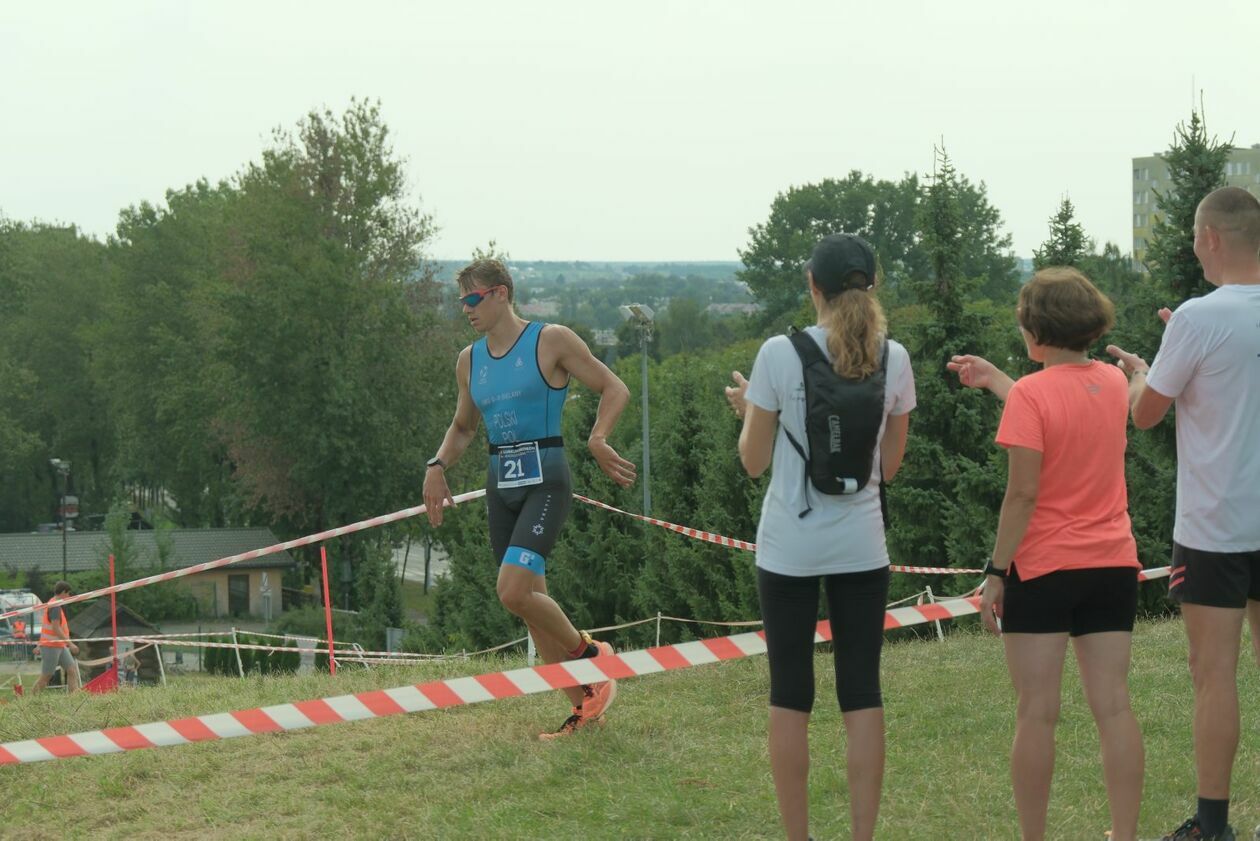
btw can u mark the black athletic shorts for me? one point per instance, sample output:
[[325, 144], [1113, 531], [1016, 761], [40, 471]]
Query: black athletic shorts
[[530, 516], [1214, 579], [1071, 601], [855, 606]]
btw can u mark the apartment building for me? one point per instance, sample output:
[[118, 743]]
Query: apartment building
[[1151, 175]]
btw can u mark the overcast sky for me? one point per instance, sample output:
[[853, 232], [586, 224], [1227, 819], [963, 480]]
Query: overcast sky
[[649, 130]]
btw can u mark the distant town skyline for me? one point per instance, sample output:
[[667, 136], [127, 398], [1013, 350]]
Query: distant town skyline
[[657, 132]]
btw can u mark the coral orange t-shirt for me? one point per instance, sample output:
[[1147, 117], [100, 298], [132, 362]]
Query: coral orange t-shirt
[[1076, 416]]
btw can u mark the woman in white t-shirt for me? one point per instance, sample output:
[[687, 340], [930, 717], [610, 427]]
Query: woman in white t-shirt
[[806, 538]]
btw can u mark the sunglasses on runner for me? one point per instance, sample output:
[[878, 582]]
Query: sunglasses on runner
[[472, 299]]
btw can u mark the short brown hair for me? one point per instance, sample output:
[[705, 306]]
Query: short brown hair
[[1062, 309], [483, 274], [61, 587], [1232, 210]]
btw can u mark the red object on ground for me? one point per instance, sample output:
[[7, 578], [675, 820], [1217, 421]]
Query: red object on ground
[[106, 681]]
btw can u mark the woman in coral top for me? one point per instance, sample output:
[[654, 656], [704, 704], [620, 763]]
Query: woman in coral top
[[1064, 562]]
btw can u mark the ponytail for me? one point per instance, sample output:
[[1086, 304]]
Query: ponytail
[[855, 325]]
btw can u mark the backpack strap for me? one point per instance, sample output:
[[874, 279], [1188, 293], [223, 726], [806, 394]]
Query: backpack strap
[[809, 352], [883, 485]]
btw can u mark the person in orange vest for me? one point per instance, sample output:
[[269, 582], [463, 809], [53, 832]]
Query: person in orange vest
[[19, 637], [54, 642]]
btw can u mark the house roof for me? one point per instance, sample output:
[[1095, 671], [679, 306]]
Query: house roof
[[96, 616], [88, 550]]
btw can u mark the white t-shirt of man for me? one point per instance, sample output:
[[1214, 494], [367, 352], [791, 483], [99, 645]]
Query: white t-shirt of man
[[842, 533], [1209, 361]]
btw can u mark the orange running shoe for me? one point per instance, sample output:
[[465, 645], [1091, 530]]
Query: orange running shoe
[[571, 725], [598, 697]]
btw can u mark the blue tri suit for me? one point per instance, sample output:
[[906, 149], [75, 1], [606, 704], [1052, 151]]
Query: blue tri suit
[[528, 487]]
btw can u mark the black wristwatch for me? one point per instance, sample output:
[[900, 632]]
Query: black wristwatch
[[435, 462], [990, 569]]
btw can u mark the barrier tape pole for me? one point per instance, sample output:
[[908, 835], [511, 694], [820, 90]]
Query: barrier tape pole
[[332, 657]]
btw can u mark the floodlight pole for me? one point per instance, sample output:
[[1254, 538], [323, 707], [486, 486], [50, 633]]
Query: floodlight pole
[[63, 469], [645, 335]]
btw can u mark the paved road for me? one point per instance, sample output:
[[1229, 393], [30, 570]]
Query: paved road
[[439, 562]]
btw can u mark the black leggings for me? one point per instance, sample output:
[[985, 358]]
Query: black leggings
[[855, 604]]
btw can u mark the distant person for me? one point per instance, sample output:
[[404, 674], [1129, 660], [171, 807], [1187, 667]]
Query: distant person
[[1064, 560], [56, 649], [19, 637], [1209, 365], [806, 537], [131, 669], [516, 377]]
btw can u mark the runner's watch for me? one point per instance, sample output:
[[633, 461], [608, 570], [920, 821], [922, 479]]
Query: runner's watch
[[435, 462], [990, 569]]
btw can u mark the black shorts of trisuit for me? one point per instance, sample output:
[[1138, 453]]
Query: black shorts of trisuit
[[1071, 601], [855, 607], [531, 516], [1214, 579]]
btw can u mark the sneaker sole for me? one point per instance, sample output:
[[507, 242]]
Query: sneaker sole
[[598, 721]]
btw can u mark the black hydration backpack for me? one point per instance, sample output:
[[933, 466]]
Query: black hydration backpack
[[842, 421]]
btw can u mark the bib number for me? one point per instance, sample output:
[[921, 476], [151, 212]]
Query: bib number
[[520, 465]]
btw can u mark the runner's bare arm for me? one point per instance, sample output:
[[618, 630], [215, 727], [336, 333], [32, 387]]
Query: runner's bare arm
[[756, 438], [458, 436], [892, 449], [575, 358]]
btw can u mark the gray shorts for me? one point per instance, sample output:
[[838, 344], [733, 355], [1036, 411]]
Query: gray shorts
[[54, 657]]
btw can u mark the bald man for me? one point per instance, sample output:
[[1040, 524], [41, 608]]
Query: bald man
[[1209, 365]]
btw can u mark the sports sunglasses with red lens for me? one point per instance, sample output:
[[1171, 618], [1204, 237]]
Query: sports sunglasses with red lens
[[472, 299]]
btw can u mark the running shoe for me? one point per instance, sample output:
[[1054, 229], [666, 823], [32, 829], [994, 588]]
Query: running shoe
[[571, 725], [1191, 831], [598, 697]]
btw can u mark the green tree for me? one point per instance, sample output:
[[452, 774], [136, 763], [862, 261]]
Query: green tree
[[56, 278], [1067, 245], [1196, 166], [886, 213]]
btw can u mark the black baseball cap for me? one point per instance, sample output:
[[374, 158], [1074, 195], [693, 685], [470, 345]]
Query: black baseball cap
[[835, 257]]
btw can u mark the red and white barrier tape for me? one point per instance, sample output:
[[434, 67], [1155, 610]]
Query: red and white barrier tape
[[444, 693], [438, 694], [248, 556], [734, 543]]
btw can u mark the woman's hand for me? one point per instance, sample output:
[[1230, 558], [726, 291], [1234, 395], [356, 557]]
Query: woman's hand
[[972, 371], [735, 394], [991, 603], [978, 372]]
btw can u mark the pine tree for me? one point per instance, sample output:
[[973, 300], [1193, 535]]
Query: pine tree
[[1067, 245], [1196, 167]]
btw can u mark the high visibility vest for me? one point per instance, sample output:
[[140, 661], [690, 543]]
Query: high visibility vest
[[46, 641], [19, 629]]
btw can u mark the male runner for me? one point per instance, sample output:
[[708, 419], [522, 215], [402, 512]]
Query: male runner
[[516, 378]]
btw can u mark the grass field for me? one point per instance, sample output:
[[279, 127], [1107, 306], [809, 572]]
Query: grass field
[[683, 756], [416, 602]]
